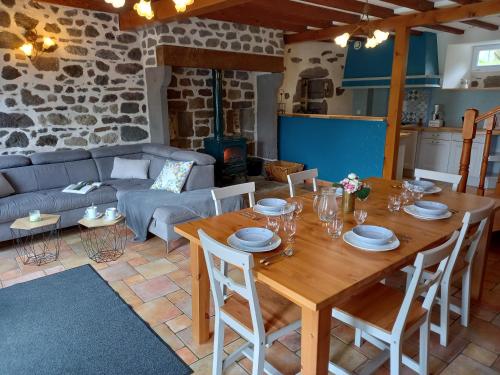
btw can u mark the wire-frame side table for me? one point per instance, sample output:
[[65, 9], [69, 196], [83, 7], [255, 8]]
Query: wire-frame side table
[[37, 242], [103, 240]]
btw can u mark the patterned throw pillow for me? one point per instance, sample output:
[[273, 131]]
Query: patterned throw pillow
[[173, 176]]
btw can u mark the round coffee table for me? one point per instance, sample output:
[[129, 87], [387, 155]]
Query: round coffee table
[[37, 242], [103, 240]]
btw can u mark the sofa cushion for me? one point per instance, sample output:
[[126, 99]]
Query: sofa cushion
[[105, 165], [122, 186], [197, 157], [156, 164], [130, 168], [14, 161], [51, 201], [82, 170], [59, 156], [5, 187], [201, 177], [157, 149], [22, 179], [120, 150], [174, 214], [50, 176], [173, 176]]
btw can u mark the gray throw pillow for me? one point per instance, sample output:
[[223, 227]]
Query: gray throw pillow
[[130, 168], [5, 187]]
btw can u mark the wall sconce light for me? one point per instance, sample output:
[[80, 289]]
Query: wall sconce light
[[116, 3], [144, 9], [180, 5], [33, 47]]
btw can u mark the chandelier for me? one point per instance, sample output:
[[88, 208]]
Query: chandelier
[[144, 9], [180, 5], [374, 38], [116, 3]]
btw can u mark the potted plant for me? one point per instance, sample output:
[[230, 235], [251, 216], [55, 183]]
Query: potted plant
[[353, 188]]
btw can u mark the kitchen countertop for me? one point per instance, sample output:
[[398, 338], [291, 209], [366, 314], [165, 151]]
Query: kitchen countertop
[[443, 129], [339, 117]]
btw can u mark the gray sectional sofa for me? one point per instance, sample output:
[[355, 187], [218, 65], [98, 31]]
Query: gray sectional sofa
[[38, 181]]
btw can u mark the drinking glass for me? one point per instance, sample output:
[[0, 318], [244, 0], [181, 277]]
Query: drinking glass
[[406, 197], [394, 203], [273, 223], [290, 228], [360, 216], [327, 206], [418, 193], [335, 227], [299, 205], [287, 212]]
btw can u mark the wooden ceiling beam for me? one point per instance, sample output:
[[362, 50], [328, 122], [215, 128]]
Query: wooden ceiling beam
[[100, 6], [446, 29], [432, 17], [481, 24], [421, 5], [291, 8], [356, 6], [165, 12], [237, 14]]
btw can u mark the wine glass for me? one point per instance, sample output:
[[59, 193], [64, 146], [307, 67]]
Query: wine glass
[[360, 216], [299, 205], [394, 203], [334, 227], [287, 212], [273, 224], [290, 228]]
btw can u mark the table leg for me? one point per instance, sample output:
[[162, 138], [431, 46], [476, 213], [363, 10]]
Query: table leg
[[315, 341], [200, 295]]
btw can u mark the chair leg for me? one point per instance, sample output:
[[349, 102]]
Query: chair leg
[[224, 269], [259, 356], [358, 340], [466, 283], [444, 314], [396, 357], [218, 347], [424, 349], [167, 246]]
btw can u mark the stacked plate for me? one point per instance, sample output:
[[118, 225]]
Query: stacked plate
[[272, 207], [254, 240], [372, 238], [427, 187], [428, 210]]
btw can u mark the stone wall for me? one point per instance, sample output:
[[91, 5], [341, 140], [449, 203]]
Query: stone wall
[[89, 92], [211, 34], [190, 106], [321, 66]]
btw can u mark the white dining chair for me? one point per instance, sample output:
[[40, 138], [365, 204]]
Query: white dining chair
[[253, 310], [300, 178], [386, 316], [450, 178], [460, 265], [231, 191]]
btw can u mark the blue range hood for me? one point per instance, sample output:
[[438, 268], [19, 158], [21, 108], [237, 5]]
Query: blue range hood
[[371, 67]]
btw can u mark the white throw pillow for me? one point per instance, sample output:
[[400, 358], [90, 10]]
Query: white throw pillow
[[5, 187], [173, 176], [130, 168]]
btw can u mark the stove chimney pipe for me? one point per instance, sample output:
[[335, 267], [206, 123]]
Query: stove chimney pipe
[[218, 105]]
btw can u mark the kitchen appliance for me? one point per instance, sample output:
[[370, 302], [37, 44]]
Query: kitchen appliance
[[437, 117]]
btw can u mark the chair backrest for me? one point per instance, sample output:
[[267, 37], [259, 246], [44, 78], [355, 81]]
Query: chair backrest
[[218, 281], [429, 286], [473, 226], [300, 177], [453, 179], [232, 191]]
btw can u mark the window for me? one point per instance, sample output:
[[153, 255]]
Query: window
[[486, 58]]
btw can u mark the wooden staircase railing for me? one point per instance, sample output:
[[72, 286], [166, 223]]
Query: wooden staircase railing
[[471, 119]]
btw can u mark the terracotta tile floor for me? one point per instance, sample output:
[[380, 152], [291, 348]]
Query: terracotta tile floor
[[158, 287]]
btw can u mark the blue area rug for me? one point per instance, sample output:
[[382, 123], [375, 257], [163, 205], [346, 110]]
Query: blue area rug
[[74, 323]]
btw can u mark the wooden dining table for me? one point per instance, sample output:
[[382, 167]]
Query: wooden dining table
[[323, 271]]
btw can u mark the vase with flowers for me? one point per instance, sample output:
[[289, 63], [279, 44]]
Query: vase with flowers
[[352, 188]]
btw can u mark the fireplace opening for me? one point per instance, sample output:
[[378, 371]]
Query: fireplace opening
[[233, 155]]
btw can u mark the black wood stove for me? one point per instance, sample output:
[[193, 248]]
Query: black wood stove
[[230, 152]]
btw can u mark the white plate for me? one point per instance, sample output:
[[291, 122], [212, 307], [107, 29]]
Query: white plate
[[99, 215], [271, 204], [261, 211], [235, 244], [116, 218], [436, 189], [349, 238], [254, 236], [430, 208], [372, 234], [410, 210]]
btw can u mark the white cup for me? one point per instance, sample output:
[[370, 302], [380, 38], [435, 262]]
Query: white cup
[[111, 213], [91, 212], [35, 215]]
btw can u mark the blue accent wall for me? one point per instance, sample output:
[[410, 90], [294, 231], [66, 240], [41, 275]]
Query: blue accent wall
[[377, 62], [334, 146]]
